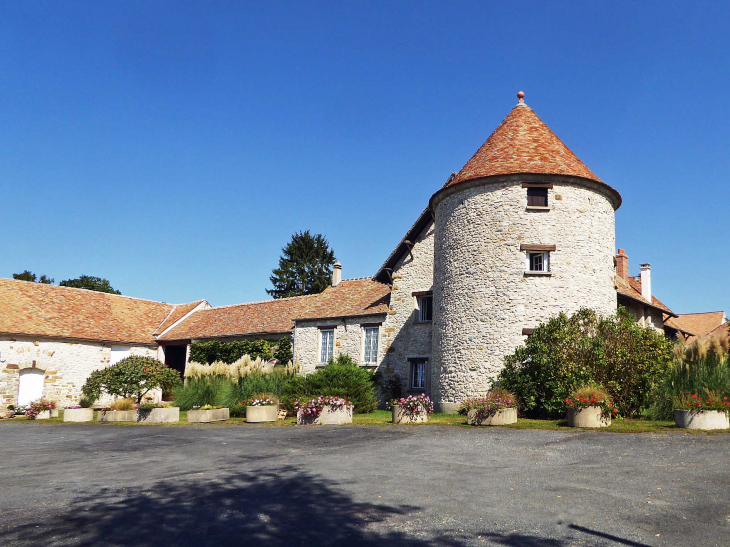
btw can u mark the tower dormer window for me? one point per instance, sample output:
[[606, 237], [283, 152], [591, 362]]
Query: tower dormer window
[[537, 197]]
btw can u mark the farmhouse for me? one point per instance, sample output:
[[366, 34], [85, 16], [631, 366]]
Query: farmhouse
[[525, 230]]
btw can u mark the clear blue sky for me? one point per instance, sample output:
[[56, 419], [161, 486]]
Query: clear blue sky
[[174, 147]]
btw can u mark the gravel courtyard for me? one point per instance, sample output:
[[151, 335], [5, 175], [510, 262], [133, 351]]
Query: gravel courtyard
[[374, 486]]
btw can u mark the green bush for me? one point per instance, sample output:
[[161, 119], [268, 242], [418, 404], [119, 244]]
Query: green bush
[[235, 393], [132, 377], [568, 352], [341, 378], [200, 392], [230, 352]]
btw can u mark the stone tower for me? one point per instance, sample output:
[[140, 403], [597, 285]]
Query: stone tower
[[524, 231]]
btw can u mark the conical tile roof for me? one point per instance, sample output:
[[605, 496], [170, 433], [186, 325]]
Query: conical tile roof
[[523, 144]]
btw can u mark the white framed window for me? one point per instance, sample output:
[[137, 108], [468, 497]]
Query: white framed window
[[119, 353], [370, 350], [538, 261], [326, 344], [418, 374], [425, 308]]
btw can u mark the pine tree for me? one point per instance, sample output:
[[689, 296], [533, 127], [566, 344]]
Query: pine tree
[[305, 266]]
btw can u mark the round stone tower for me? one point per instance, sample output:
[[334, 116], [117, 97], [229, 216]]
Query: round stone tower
[[524, 231]]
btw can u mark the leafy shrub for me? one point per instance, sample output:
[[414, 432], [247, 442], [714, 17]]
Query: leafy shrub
[[230, 352], [133, 376], [237, 411], [340, 378], [392, 387], [283, 352], [567, 352], [86, 402]]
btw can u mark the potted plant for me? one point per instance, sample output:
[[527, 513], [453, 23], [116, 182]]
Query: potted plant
[[121, 410], [41, 410], [413, 409], [82, 412], [208, 413], [157, 413], [262, 407], [693, 411], [498, 407], [324, 410], [590, 406]]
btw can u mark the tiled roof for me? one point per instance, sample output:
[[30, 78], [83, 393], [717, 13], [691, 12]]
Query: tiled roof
[[177, 313], [698, 323], [351, 298], [524, 144], [632, 290], [37, 309], [723, 331]]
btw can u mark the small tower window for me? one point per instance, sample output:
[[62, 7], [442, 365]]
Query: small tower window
[[537, 197], [538, 262]]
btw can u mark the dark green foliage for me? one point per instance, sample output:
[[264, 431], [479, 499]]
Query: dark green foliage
[[230, 352], [305, 266], [132, 377], [341, 378], [27, 275], [86, 402], [274, 383], [568, 352], [392, 388], [283, 351], [199, 392], [91, 283], [237, 411]]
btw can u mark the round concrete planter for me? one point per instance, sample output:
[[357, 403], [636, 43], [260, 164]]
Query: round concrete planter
[[159, 415], [260, 414], [207, 416], [117, 416], [78, 415], [400, 416], [505, 416], [328, 416], [587, 417], [702, 419]]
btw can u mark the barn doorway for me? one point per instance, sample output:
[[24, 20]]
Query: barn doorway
[[30, 386]]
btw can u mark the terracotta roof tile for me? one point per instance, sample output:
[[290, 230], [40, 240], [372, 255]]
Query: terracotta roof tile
[[177, 313], [351, 298], [37, 309], [632, 290], [698, 323], [524, 144]]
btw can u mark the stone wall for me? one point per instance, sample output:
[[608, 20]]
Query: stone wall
[[645, 316], [66, 364], [482, 297], [349, 339], [405, 337]]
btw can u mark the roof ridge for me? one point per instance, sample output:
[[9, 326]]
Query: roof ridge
[[702, 312], [262, 301], [47, 285]]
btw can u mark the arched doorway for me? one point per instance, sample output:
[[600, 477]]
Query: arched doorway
[[30, 386]]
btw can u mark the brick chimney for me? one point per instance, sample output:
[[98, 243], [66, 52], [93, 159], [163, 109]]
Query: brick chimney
[[336, 274], [646, 281], [622, 265]]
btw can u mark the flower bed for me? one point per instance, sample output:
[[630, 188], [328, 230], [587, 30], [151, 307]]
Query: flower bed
[[498, 407], [590, 406], [41, 410], [262, 408], [694, 411], [324, 411], [413, 409], [207, 414], [78, 414]]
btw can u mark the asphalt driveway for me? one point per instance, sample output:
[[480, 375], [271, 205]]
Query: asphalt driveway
[[371, 486]]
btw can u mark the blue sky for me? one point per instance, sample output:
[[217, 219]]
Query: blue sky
[[174, 147]]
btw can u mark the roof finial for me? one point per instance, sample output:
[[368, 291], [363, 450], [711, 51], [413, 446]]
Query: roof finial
[[521, 96]]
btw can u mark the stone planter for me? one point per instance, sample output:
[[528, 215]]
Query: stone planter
[[159, 415], [78, 415], [54, 413], [117, 416], [207, 416], [260, 414], [702, 419], [44, 415], [400, 416], [328, 416], [506, 416], [587, 417]]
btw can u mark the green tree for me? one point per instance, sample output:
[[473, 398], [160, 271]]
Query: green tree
[[90, 283], [27, 275], [305, 266], [568, 352], [132, 377]]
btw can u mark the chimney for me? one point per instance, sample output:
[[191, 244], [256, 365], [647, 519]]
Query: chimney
[[336, 274], [622, 265], [646, 281]]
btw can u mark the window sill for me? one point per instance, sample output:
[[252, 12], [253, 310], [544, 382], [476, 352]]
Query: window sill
[[416, 390], [423, 322], [538, 208], [538, 274]]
